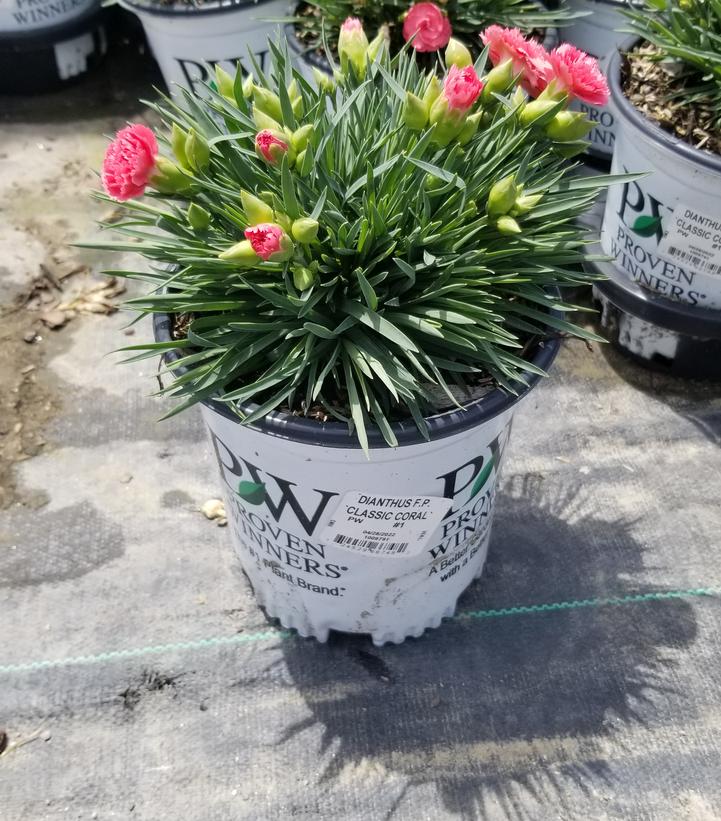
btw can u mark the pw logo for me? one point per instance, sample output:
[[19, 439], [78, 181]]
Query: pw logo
[[635, 205]]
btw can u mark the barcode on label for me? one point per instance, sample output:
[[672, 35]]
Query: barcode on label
[[697, 263], [371, 545]]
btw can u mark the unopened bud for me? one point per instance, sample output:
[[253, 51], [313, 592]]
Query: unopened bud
[[248, 86], [177, 143], [526, 203], [268, 102], [457, 54], [256, 211], [568, 126], [502, 196], [264, 122], [301, 136], [305, 230], [242, 253], [535, 110], [507, 225], [353, 46], [380, 42], [415, 112], [324, 81], [498, 81], [432, 92], [197, 151], [198, 217], [225, 83], [303, 278], [470, 128], [168, 178]]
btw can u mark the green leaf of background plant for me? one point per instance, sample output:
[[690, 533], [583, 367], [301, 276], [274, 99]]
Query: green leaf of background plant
[[482, 478]]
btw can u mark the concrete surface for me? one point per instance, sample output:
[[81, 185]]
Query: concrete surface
[[601, 712]]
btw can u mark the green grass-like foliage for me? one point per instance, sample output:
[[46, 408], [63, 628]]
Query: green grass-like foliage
[[467, 18], [687, 32], [415, 287]]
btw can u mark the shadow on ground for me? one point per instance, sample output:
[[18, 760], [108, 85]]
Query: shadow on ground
[[512, 708]]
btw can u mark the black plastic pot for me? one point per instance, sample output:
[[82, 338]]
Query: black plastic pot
[[335, 434], [50, 58], [658, 333]]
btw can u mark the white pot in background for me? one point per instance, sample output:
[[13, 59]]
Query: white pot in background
[[186, 39], [334, 540], [22, 16], [597, 34], [664, 230]]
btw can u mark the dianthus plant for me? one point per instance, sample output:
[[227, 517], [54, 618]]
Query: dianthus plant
[[363, 245]]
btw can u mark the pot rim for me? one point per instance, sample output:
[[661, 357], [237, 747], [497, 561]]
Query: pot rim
[[635, 118], [693, 321], [184, 10], [336, 434]]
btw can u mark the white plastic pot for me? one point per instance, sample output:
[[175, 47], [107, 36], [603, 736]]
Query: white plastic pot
[[663, 231], [598, 35], [187, 41], [334, 540]]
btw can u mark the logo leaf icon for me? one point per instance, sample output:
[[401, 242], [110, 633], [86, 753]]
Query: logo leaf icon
[[252, 492], [482, 478], [646, 226]]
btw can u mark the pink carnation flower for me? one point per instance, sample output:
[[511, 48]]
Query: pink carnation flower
[[461, 88], [578, 75], [266, 239], [529, 58], [270, 146], [430, 25], [129, 162]]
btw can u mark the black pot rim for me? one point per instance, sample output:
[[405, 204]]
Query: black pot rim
[[183, 10], [689, 320], [48, 35], [335, 434], [647, 127]]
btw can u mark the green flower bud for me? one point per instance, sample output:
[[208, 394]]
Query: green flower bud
[[304, 163], [324, 81], [197, 151], [242, 253], [457, 54], [353, 47], [535, 110], [248, 86], [526, 203], [177, 143], [379, 43], [198, 217], [256, 211], [264, 122], [502, 196], [305, 230], [415, 112], [168, 178], [303, 278], [448, 123], [498, 81], [568, 126], [432, 92], [433, 183], [470, 128], [296, 101], [268, 102], [507, 225], [301, 136], [518, 98], [225, 83], [284, 221]]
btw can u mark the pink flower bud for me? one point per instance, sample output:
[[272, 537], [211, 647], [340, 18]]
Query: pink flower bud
[[129, 162], [271, 146], [461, 88], [529, 58], [269, 241], [429, 24], [578, 75]]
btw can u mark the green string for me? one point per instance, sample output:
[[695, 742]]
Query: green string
[[274, 634]]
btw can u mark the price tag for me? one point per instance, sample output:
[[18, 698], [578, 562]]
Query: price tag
[[386, 526]]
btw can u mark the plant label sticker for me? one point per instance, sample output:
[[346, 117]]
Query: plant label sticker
[[693, 239], [389, 526]]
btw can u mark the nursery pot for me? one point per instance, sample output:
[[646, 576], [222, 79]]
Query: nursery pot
[[597, 34], [188, 41], [332, 539], [661, 334], [664, 230], [45, 44]]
